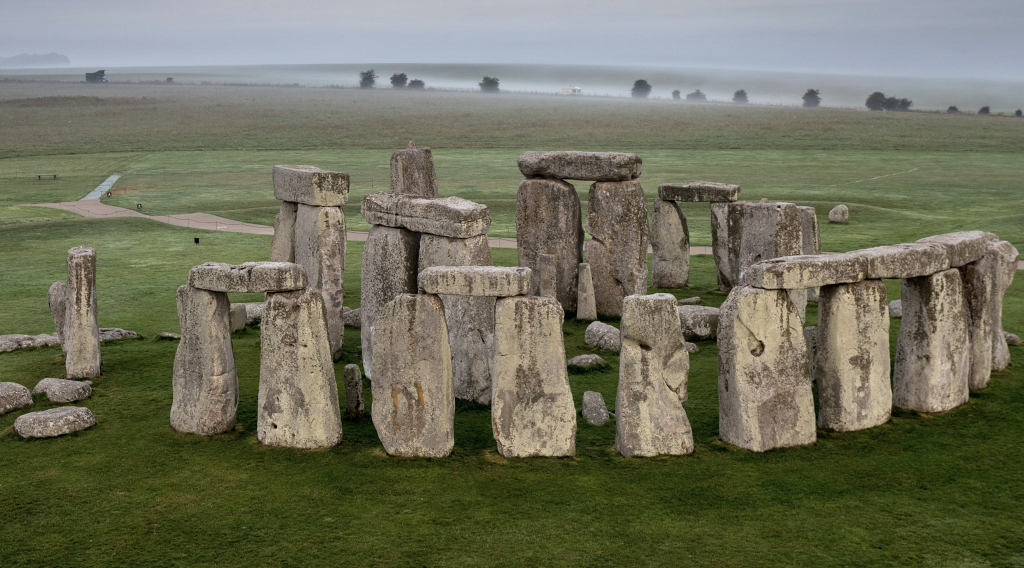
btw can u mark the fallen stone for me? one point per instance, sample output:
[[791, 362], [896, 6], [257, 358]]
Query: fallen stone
[[805, 271], [761, 231], [839, 214], [586, 361], [896, 309], [54, 422], [354, 408], [297, 405], [81, 336], [13, 396], [57, 298], [532, 410], [963, 247], [389, 266], [691, 347], [236, 314], [282, 247], [981, 292], [413, 406], [310, 185], [690, 301], [617, 252], [602, 335], [670, 241], [1011, 339], [250, 277], [595, 411], [764, 391], [116, 333], [549, 221], [547, 268], [720, 245], [698, 322], [168, 336], [443, 216], [1007, 255], [353, 318], [932, 360], [908, 260], [586, 303], [412, 172], [495, 281], [62, 390], [588, 166], [17, 341], [320, 249], [699, 191]]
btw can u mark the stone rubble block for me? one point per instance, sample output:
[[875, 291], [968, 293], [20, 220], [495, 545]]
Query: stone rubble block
[[670, 242], [811, 239], [699, 191], [310, 185], [81, 335], [595, 411], [390, 264], [602, 335], [495, 281], [115, 333], [354, 408], [698, 322], [839, 214], [352, 318], [896, 309], [282, 246], [412, 172], [54, 422], [236, 314], [586, 303], [1012, 339], [1007, 255], [15, 341], [549, 221], [587, 166], [963, 247], [907, 260], [443, 216], [13, 396], [63, 390], [805, 271], [585, 361], [250, 277], [617, 251]]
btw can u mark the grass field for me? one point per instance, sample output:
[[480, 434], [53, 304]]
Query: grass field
[[927, 490]]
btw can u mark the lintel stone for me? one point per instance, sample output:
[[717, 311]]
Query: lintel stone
[[444, 216], [699, 191], [311, 186]]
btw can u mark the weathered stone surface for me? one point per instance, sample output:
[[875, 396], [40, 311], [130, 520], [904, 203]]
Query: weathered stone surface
[[549, 221], [963, 247], [54, 422], [811, 338], [254, 312], [617, 252], [852, 357], [57, 298], [1007, 255], [62, 390], [546, 266], [670, 241], [805, 271], [412, 172], [496, 281], [586, 361], [720, 245], [444, 216], [115, 333], [352, 318], [811, 239], [908, 260], [761, 231], [389, 267], [602, 335], [689, 301], [14, 341], [699, 191], [249, 277], [81, 336], [981, 292], [282, 247], [310, 185], [354, 408], [13, 396], [205, 384], [532, 411], [764, 391], [320, 249], [698, 322], [653, 322], [470, 319], [588, 166], [586, 303], [839, 214], [691, 347], [1011, 339], [236, 315], [595, 411], [413, 405], [298, 397], [799, 299], [896, 309], [932, 354]]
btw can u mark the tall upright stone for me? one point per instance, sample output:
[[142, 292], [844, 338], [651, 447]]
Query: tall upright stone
[[412, 172], [282, 247], [320, 249], [1007, 255], [762, 231], [298, 397], [932, 351], [205, 383], [389, 266], [764, 390], [548, 275], [57, 298], [670, 241], [81, 326], [720, 246], [617, 251], [981, 292], [549, 221], [811, 239], [470, 319], [851, 363], [532, 410], [413, 405], [586, 304]]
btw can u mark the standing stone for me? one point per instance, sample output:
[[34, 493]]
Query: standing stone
[[811, 239], [1008, 256], [670, 240], [298, 397], [852, 357], [932, 351], [720, 245], [617, 252], [762, 231], [353, 392], [548, 275], [81, 327], [839, 214], [237, 316], [320, 249], [470, 319], [282, 247], [389, 267], [412, 172], [57, 298], [586, 304], [653, 321], [549, 221], [595, 411], [532, 411], [205, 383], [764, 391], [811, 338], [981, 292], [13, 396], [413, 405]]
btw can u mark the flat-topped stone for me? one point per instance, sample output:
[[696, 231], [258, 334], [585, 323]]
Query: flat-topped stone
[[63, 390], [907, 260], [963, 247], [589, 166], [699, 191], [496, 281], [13, 396], [445, 216], [804, 271], [412, 172], [248, 277], [54, 422], [310, 185]]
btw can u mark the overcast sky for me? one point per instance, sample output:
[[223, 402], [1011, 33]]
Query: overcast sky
[[914, 38]]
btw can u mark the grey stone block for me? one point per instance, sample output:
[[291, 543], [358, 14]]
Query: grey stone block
[[310, 185], [389, 266], [963, 247], [595, 411], [699, 191], [805, 271], [617, 252], [670, 241], [494, 281], [13, 396], [698, 322], [839, 214], [282, 247], [549, 221], [412, 172], [586, 303], [320, 245], [81, 337], [249, 277], [63, 390], [603, 336], [589, 166], [908, 260], [54, 422], [444, 216]]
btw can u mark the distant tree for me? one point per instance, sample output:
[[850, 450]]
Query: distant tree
[[812, 98], [399, 80], [1019, 113], [740, 96], [416, 84], [367, 79], [952, 110], [903, 104], [170, 79], [696, 97], [641, 89], [489, 85], [675, 94], [876, 101], [984, 110]]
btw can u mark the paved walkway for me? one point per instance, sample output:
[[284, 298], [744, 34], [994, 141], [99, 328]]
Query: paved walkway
[[101, 188]]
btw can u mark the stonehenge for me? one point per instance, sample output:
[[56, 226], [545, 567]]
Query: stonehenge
[[75, 317], [670, 242], [617, 251], [719, 195]]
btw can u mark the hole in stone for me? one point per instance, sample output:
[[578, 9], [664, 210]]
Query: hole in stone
[[758, 349], [274, 426]]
